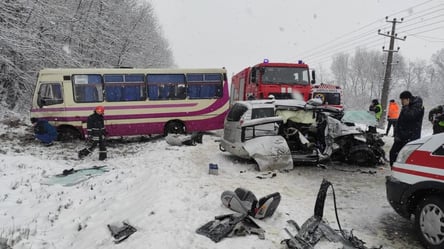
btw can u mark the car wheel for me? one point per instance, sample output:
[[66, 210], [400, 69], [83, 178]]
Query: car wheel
[[429, 222], [361, 155]]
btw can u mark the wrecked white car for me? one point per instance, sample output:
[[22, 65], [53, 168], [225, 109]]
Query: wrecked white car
[[251, 131], [312, 134]]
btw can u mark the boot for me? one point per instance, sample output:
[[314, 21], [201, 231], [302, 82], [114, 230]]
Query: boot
[[83, 153], [102, 156]]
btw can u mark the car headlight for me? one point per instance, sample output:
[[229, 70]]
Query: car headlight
[[406, 151]]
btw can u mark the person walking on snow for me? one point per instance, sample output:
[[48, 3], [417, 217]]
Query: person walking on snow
[[408, 127], [436, 116], [96, 134], [392, 116], [377, 109], [44, 131]]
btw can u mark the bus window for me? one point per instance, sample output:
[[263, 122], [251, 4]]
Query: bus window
[[166, 86], [49, 94], [204, 86], [121, 87], [87, 88]]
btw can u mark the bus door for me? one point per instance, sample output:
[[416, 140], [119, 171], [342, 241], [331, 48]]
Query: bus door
[[50, 97]]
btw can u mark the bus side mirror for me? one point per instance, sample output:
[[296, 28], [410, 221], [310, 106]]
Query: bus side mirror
[[40, 102], [313, 77]]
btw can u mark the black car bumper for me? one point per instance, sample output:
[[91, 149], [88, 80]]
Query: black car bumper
[[396, 191]]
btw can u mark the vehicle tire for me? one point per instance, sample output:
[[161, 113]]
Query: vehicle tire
[[67, 134], [361, 155], [429, 222], [175, 127]]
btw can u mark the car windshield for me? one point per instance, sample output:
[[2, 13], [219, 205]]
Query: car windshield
[[285, 75]]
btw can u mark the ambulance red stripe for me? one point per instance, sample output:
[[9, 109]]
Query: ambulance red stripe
[[418, 173], [426, 159]]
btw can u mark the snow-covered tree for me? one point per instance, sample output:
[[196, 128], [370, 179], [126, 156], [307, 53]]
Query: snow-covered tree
[[36, 34]]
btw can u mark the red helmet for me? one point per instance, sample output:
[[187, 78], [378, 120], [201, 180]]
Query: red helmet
[[100, 109]]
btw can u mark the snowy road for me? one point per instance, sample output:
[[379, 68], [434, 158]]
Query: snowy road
[[167, 193]]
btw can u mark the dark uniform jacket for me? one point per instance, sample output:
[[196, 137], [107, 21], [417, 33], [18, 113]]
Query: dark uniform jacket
[[437, 114], [95, 126], [409, 123]]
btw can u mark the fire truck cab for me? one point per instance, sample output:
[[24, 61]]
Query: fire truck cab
[[281, 80]]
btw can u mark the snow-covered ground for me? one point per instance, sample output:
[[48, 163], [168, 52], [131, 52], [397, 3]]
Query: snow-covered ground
[[167, 193]]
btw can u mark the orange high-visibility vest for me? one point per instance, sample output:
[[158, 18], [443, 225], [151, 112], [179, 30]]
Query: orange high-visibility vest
[[393, 111]]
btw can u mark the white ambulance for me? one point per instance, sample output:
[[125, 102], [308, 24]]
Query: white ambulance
[[331, 95], [416, 187]]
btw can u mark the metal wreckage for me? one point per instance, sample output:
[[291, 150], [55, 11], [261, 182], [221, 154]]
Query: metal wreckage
[[248, 208], [316, 228], [308, 133]]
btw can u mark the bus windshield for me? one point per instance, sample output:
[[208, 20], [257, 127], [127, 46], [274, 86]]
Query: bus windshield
[[285, 75]]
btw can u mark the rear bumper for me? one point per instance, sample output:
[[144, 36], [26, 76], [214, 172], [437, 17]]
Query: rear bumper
[[233, 148], [396, 191]]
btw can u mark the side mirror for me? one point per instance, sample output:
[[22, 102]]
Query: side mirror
[[253, 75], [40, 103], [313, 77]]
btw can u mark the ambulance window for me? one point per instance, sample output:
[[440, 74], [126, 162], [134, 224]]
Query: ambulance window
[[439, 151]]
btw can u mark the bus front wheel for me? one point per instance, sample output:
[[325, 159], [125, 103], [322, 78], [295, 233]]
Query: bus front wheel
[[175, 127]]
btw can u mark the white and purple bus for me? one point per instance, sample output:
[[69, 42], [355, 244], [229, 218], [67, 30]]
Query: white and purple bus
[[136, 101]]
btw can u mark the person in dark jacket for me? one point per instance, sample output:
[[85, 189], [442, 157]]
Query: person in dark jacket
[[96, 134], [44, 131], [408, 127], [377, 109], [436, 116]]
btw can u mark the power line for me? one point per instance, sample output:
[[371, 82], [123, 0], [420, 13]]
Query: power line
[[428, 38], [333, 46]]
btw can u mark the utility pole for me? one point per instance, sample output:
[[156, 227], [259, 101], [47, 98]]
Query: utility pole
[[388, 67]]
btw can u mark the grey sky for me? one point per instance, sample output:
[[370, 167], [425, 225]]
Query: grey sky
[[240, 33]]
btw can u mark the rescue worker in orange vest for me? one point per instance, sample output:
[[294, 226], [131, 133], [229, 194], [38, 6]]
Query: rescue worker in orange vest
[[392, 116]]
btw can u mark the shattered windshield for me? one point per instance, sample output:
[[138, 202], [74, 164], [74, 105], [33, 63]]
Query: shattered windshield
[[285, 75]]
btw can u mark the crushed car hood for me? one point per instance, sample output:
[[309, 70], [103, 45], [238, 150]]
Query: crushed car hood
[[270, 152]]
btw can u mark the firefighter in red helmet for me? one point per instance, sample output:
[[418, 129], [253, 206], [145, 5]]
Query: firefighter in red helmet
[[96, 134]]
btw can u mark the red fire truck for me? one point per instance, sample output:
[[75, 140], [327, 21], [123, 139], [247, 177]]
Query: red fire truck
[[282, 80]]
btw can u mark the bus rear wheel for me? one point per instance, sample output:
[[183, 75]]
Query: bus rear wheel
[[175, 127], [68, 134]]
